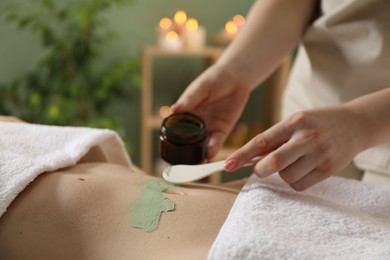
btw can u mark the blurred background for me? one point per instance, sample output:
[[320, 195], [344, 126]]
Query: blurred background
[[81, 63]]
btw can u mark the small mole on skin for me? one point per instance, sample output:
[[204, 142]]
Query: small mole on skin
[[81, 179], [20, 232]]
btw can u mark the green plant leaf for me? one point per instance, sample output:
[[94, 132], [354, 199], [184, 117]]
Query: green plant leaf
[[70, 85]]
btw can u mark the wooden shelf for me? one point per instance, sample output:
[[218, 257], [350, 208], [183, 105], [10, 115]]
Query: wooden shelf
[[208, 52], [153, 121]]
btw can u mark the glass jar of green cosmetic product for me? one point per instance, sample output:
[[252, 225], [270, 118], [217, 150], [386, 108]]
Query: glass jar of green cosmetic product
[[183, 139]]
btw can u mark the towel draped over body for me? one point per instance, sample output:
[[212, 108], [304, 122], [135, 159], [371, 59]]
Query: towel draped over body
[[336, 219]]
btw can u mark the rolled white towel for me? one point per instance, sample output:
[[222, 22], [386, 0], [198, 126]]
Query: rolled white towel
[[27, 150]]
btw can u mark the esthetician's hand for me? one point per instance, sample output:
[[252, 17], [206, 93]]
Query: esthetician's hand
[[219, 98], [306, 148]]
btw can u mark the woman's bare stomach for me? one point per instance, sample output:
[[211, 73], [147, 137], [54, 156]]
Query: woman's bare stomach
[[83, 212]]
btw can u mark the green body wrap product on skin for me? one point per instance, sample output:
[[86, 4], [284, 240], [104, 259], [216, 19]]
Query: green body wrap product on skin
[[146, 210]]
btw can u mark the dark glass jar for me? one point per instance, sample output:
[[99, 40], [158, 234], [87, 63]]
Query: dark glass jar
[[183, 139]]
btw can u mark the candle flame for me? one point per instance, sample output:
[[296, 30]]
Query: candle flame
[[165, 23], [239, 20], [192, 24], [180, 17], [171, 36], [165, 111], [231, 27]]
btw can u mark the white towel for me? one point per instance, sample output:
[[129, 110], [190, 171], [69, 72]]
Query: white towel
[[335, 219], [27, 150]]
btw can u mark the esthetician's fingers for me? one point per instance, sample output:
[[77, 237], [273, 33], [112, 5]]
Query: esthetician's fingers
[[203, 90], [282, 157], [259, 145], [295, 158], [298, 156], [215, 83], [191, 97], [317, 175], [300, 168]]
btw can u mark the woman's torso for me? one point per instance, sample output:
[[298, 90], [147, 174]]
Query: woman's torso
[[83, 213]]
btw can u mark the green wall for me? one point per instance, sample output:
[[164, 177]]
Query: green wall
[[134, 23], [135, 26]]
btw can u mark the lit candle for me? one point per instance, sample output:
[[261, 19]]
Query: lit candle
[[231, 29], [165, 111], [180, 19], [165, 23], [195, 36], [171, 41], [192, 24], [164, 27], [239, 20]]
